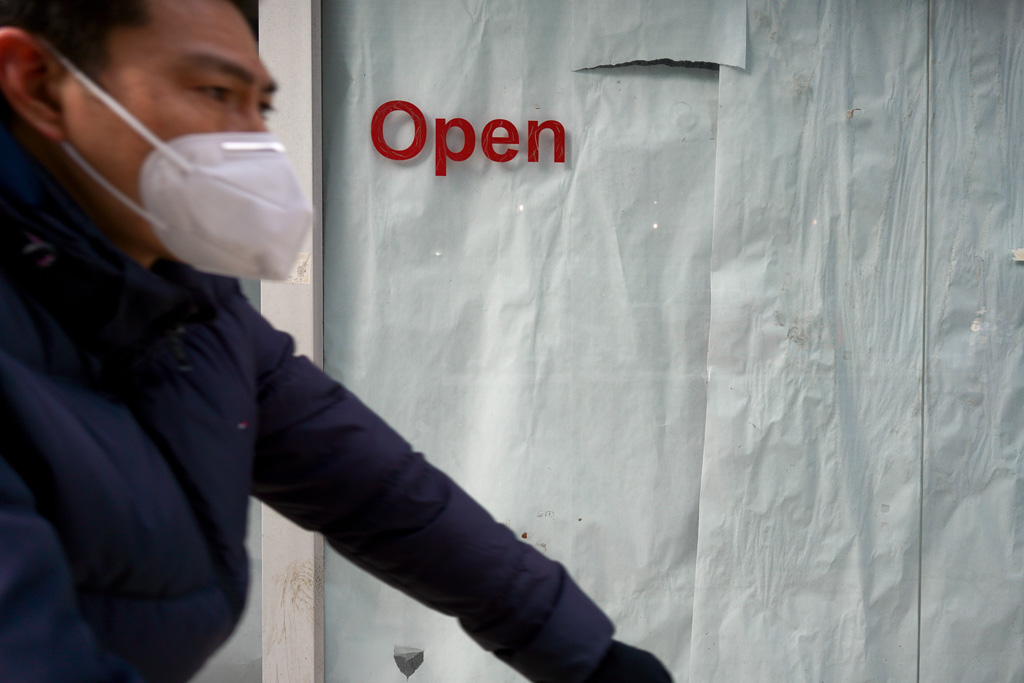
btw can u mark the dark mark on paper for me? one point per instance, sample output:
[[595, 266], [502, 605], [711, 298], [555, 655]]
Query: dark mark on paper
[[408, 659]]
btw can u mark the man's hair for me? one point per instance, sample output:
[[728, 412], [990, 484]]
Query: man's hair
[[79, 28]]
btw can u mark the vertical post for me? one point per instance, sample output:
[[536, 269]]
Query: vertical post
[[292, 558]]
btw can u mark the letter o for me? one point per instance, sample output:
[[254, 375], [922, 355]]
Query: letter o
[[377, 130]]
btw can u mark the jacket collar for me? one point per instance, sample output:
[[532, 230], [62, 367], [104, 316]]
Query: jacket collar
[[107, 302]]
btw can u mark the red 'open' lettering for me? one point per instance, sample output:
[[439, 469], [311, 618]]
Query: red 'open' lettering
[[488, 140], [441, 151], [533, 145], [377, 130], [496, 134]]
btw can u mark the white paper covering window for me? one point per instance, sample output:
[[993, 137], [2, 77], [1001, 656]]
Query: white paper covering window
[[722, 359]]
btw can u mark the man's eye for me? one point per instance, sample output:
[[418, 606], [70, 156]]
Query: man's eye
[[266, 110], [217, 92]]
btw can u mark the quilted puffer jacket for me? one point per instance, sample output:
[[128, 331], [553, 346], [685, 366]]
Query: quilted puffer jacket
[[139, 409]]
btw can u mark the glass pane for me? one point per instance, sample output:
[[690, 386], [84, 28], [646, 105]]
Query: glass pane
[[972, 589], [538, 328], [780, 295]]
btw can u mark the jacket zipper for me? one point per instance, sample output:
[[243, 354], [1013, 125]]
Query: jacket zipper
[[178, 348]]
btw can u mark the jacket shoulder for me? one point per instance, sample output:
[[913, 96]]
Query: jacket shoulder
[[29, 334]]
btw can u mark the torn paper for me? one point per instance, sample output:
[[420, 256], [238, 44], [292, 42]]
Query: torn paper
[[686, 32]]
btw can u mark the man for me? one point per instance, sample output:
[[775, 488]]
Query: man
[[142, 400]]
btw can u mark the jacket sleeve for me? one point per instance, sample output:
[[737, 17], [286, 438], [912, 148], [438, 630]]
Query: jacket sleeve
[[331, 465], [43, 637]]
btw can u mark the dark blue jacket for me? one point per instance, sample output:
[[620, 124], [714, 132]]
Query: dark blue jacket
[[140, 408]]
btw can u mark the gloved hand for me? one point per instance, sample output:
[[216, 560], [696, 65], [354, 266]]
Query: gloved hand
[[625, 664]]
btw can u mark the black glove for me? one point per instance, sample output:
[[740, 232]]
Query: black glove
[[625, 664]]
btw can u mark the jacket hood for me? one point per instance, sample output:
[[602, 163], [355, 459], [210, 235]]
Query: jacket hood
[[107, 302]]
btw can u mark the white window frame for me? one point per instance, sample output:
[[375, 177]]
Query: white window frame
[[293, 587]]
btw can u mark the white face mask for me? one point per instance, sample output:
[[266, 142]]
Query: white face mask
[[225, 203]]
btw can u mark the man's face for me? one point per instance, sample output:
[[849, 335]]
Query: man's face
[[194, 68]]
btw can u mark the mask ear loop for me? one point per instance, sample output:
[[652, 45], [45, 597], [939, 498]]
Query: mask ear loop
[[109, 187], [115, 106]]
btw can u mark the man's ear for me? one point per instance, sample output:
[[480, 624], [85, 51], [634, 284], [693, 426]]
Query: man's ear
[[31, 80]]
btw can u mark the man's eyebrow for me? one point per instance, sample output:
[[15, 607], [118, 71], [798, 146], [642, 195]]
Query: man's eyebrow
[[229, 67]]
